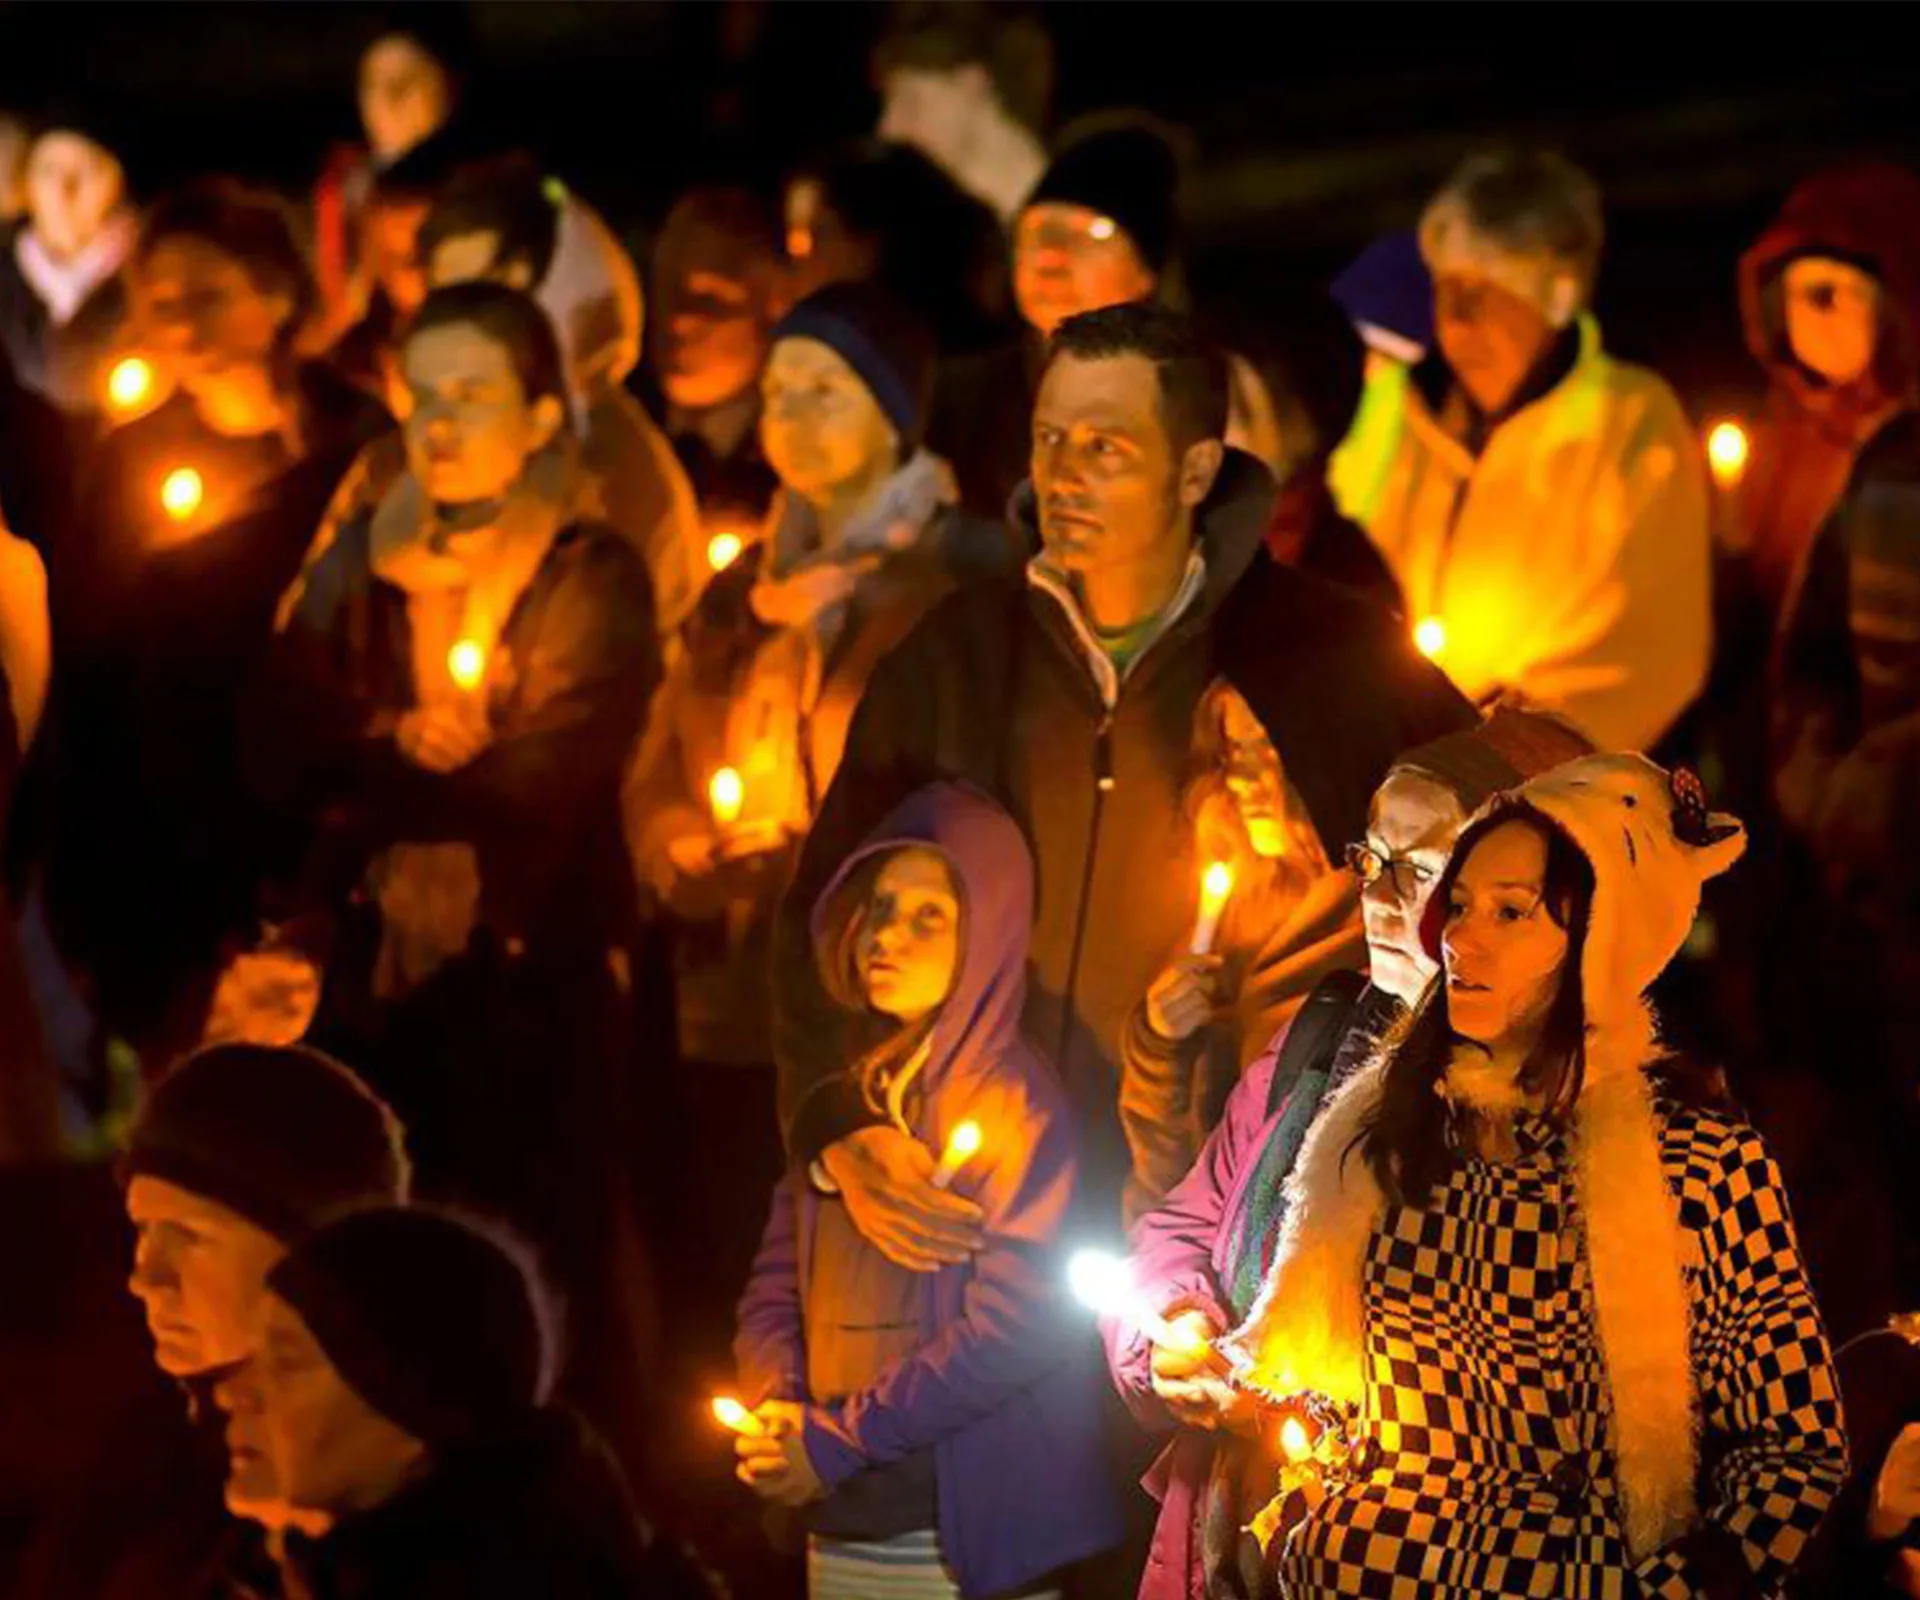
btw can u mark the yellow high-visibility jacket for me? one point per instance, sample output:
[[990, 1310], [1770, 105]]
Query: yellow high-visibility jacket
[[1569, 560]]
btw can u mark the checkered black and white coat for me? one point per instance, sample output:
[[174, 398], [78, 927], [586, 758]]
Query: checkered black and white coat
[[1536, 1437]]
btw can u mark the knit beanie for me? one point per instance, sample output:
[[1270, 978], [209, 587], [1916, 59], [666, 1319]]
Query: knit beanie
[[438, 1323], [1387, 294], [280, 1134], [1130, 173], [882, 341], [1652, 844], [1506, 750]]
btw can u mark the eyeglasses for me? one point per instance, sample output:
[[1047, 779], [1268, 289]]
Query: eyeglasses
[[1409, 877]]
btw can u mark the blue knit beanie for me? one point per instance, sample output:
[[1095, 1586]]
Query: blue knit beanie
[[1386, 288], [882, 341]]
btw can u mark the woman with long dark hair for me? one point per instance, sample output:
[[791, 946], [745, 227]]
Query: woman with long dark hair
[[1537, 1285]]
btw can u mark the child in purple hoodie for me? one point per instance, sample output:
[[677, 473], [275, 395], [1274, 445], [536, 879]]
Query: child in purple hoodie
[[938, 1433], [1200, 1257]]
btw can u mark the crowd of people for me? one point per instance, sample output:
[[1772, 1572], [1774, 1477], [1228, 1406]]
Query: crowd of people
[[646, 871]]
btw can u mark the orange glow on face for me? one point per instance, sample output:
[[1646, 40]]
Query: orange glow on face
[[181, 493], [727, 794], [467, 662], [1727, 451], [130, 384]]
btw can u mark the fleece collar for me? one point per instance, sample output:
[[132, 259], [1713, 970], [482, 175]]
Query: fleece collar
[[1307, 1328]]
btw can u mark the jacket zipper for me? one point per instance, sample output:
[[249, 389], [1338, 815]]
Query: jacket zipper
[[1103, 782]]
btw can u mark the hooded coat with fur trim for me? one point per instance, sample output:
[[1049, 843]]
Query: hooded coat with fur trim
[[1596, 1368]]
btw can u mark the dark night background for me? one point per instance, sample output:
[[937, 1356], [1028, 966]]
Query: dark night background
[[1316, 125]]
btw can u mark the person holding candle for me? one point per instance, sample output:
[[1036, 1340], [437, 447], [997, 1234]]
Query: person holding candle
[[1554, 1274], [863, 541], [162, 610], [1196, 1258], [935, 1423], [465, 878]]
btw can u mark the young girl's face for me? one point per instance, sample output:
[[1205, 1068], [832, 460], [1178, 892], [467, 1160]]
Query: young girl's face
[[909, 945]]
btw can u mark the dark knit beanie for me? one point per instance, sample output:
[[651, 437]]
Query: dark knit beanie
[[437, 1322], [1130, 173], [1506, 750], [882, 340], [281, 1134], [1387, 288]]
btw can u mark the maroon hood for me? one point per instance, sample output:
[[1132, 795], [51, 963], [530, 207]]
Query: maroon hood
[[1869, 214]]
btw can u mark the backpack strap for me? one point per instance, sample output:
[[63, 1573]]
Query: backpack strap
[[1316, 1034]]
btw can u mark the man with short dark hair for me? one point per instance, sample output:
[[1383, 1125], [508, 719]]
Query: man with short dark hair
[[1542, 505], [1071, 698]]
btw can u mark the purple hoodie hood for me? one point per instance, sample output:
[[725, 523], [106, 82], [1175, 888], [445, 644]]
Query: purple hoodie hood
[[993, 869]]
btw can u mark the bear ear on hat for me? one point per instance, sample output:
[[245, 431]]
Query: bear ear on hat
[[1719, 838]]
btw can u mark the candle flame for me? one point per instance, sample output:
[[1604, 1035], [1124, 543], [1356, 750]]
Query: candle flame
[[468, 664], [181, 493], [1430, 637], [130, 383], [963, 1144], [730, 1414], [1216, 884], [723, 549], [1294, 1441], [727, 794], [1100, 1282], [1727, 451]]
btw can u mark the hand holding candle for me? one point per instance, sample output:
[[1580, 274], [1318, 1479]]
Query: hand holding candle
[[467, 664], [963, 1144], [736, 1418], [1216, 888]]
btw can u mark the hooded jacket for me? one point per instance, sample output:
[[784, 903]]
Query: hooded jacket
[[1002, 1385], [774, 703], [541, 1509], [1568, 558], [1803, 451], [1002, 687]]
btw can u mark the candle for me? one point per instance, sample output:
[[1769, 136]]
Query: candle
[[730, 1414], [1727, 454], [1216, 887], [467, 662], [723, 549], [1104, 1284], [727, 795], [1294, 1442], [129, 384], [181, 493], [963, 1144], [1430, 637]]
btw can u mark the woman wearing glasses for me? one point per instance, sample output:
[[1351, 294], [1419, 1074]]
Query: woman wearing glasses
[[1199, 1257]]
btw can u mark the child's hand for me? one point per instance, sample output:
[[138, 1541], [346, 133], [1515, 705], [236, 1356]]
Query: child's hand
[[775, 1465], [443, 738], [886, 1179], [1182, 999]]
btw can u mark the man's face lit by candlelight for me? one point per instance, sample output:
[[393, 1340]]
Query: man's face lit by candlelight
[[1412, 826], [1492, 338], [1068, 259], [202, 314], [470, 428], [199, 1270], [908, 950], [405, 95]]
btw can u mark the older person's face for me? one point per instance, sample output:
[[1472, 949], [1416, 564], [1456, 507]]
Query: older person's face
[[199, 1270], [1491, 336]]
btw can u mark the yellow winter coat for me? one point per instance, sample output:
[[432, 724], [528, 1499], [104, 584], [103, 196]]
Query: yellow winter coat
[[1569, 560]]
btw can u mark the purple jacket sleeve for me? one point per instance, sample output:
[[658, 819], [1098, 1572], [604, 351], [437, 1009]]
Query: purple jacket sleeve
[[769, 1344], [1173, 1245], [1014, 1325]]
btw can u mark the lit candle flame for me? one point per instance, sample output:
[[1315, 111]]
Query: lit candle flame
[[730, 1414], [727, 794], [130, 383], [723, 549], [1216, 888], [468, 663], [181, 493], [1727, 451], [1430, 637], [963, 1144], [1294, 1441]]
